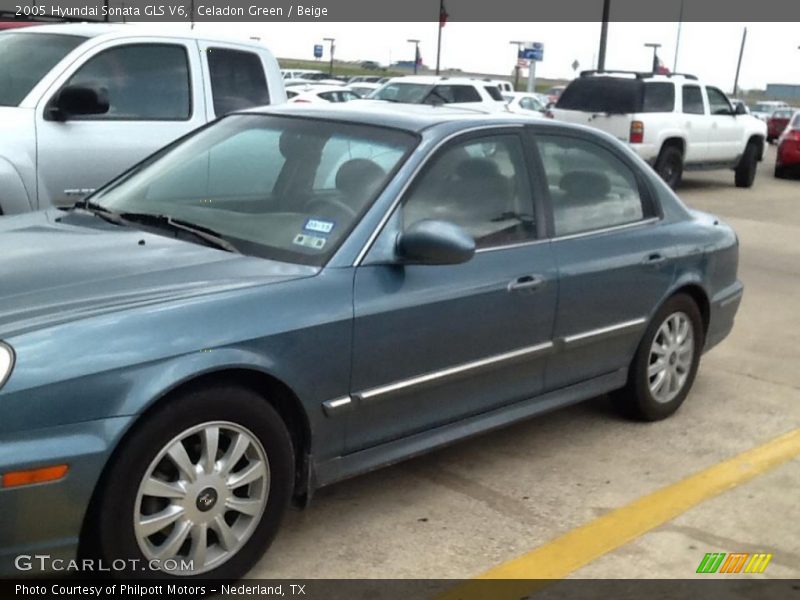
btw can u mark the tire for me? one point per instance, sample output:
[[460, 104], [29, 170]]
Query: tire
[[118, 525], [780, 172], [746, 169], [638, 397], [669, 166]]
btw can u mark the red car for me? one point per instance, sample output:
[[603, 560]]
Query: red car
[[777, 123], [789, 148]]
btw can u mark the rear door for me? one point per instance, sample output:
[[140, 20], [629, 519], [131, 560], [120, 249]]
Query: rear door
[[696, 123], [613, 256]]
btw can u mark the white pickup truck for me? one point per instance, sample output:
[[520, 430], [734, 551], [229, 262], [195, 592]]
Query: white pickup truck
[[81, 103], [673, 122]]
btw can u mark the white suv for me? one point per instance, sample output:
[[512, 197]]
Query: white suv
[[673, 122], [428, 89]]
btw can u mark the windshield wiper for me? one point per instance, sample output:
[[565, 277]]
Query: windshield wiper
[[211, 237], [97, 210], [524, 218]]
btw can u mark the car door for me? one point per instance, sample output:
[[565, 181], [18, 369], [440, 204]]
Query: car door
[[613, 255], [696, 123], [152, 101], [727, 132], [434, 344]]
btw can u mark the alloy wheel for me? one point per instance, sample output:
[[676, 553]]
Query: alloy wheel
[[671, 355], [202, 497]]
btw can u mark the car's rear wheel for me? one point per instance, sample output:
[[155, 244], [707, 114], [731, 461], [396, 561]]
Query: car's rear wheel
[[780, 172], [199, 486], [745, 173], [669, 166], [665, 364]]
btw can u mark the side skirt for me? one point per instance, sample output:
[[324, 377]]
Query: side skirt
[[363, 461]]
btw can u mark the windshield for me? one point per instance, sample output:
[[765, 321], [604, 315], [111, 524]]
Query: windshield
[[27, 57], [283, 188], [411, 93], [764, 107]]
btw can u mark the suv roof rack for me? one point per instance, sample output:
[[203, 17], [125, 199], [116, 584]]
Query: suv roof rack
[[637, 74]]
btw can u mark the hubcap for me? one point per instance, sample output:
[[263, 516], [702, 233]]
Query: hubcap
[[671, 357], [202, 497]]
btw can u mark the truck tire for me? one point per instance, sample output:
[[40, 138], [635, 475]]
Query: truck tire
[[780, 173], [745, 173], [669, 165]]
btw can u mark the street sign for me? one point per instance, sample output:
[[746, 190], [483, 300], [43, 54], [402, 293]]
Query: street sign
[[532, 51], [317, 50]]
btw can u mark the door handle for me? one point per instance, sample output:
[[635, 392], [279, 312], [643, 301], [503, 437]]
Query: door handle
[[654, 259], [525, 283]]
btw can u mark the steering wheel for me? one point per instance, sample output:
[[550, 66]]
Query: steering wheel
[[330, 201]]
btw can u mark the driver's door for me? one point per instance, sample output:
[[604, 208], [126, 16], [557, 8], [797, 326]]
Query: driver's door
[[433, 344], [151, 103], [725, 131]]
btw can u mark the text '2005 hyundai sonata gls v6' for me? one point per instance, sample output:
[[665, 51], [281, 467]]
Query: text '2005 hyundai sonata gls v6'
[[292, 296]]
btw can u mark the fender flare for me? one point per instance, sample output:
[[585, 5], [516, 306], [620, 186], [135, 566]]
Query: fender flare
[[14, 197]]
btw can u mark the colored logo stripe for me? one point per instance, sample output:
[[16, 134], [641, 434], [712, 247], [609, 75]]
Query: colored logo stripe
[[734, 563], [757, 563]]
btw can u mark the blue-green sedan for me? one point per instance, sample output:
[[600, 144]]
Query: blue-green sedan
[[293, 296]]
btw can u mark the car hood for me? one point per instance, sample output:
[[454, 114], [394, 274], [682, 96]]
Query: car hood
[[58, 267]]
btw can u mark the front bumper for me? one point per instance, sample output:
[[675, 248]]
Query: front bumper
[[46, 519]]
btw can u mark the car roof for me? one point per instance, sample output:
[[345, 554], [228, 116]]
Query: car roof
[[410, 117], [130, 30]]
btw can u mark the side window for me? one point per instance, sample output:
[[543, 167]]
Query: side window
[[590, 188], [466, 93], [143, 82], [494, 92], [480, 185], [237, 80], [693, 100], [658, 97], [718, 102]]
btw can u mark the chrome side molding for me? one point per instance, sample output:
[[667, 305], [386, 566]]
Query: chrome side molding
[[594, 334]]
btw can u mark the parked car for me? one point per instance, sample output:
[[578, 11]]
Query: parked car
[[80, 103], [371, 79], [524, 103], [296, 295], [777, 122], [763, 110], [432, 89], [504, 86], [364, 89], [554, 93], [299, 73], [371, 65], [673, 122], [320, 93], [788, 156]]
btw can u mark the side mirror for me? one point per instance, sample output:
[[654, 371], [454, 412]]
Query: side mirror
[[432, 242], [740, 110], [77, 100]]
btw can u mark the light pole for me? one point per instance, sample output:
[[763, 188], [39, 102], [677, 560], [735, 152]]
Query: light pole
[[333, 47], [601, 57], [655, 48], [416, 53], [678, 39], [519, 46]]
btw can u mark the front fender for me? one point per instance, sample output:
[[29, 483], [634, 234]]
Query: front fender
[[14, 197]]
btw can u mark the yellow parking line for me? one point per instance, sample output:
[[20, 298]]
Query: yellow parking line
[[580, 546]]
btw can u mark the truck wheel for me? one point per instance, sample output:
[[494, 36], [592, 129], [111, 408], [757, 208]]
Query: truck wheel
[[780, 172], [746, 169], [669, 166]]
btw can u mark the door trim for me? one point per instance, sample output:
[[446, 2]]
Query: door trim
[[595, 334], [404, 384]]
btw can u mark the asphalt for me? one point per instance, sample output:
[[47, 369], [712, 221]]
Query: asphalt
[[464, 510]]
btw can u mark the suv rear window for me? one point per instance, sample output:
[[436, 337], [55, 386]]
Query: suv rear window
[[617, 95]]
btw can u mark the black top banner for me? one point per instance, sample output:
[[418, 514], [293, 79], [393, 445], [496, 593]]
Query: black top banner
[[402, 10]]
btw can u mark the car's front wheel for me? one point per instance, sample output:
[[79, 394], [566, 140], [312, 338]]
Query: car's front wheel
[[745, 172], [665, 364], [197, 489]]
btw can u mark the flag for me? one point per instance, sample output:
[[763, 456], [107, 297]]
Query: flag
[[659, 67], [418, 58], [442, 14]]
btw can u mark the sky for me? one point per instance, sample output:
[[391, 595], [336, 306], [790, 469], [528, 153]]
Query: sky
[[708, 50]]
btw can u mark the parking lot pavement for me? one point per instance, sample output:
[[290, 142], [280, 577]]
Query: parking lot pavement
[[463, 510]]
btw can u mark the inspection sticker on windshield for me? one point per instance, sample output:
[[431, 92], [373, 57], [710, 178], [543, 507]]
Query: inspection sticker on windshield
[[319, 225], [309, 241]]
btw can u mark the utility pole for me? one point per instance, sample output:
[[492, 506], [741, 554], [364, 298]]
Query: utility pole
[[678, 39], [416, 53], [601, 56], [333, 47], [442, 20], [739, 64], [516, 64], [655, 48]]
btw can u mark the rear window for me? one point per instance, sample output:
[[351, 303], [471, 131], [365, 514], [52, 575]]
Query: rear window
[[617, 95], [782, 114]]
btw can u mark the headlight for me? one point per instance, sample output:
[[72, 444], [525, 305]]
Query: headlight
[[6, 363]]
